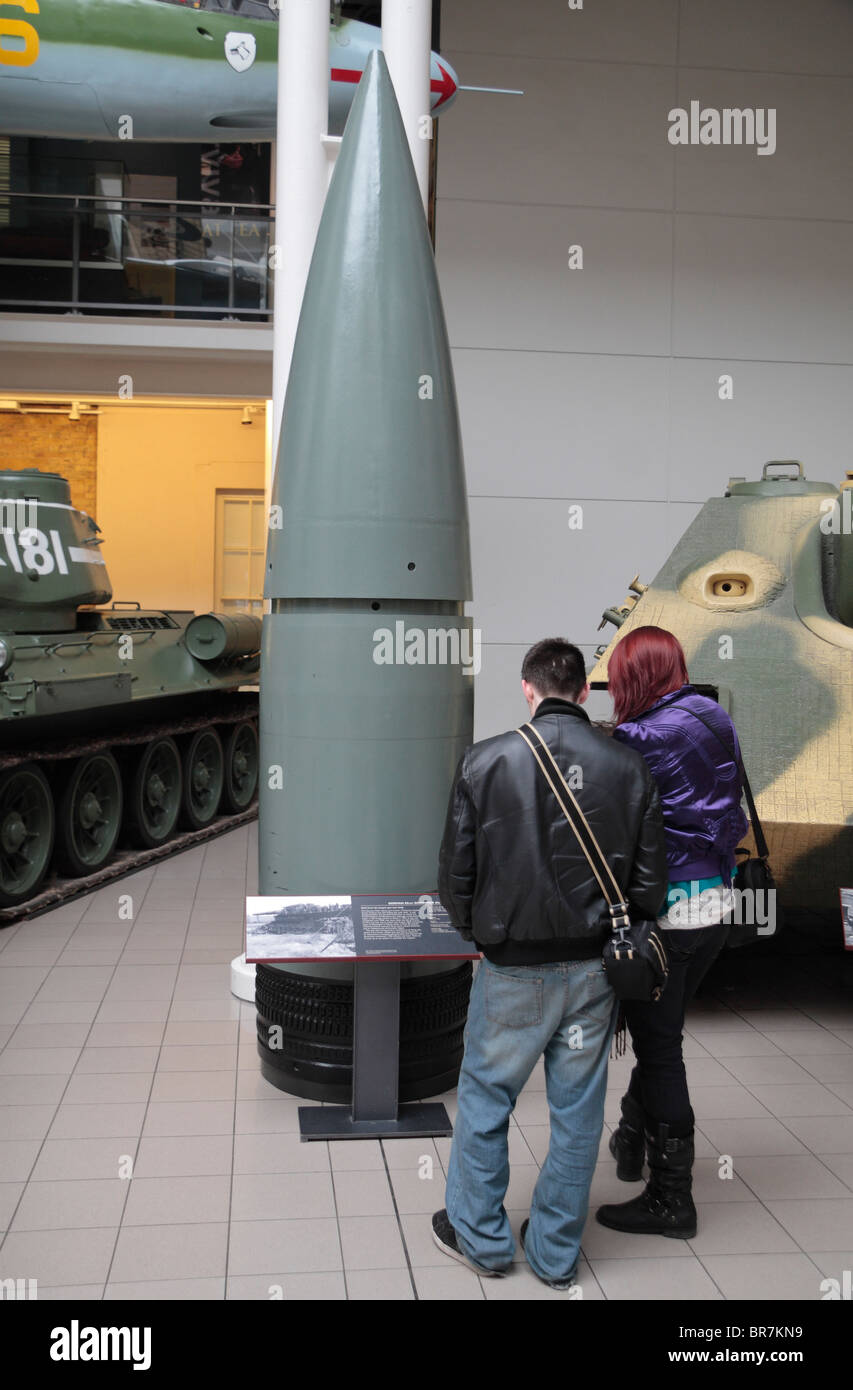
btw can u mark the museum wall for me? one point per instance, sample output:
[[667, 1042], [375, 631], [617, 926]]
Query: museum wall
[[600, 385], [159, 468]]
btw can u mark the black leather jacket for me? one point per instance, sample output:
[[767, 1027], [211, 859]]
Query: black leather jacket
[[511, 873]]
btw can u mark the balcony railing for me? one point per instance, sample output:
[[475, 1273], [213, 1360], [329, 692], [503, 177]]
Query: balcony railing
[[107, 255]]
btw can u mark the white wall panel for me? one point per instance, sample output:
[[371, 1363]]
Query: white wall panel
[[765, 289], [768, 35], [505, 279], [627, 31], [555, 424], [583, 133]]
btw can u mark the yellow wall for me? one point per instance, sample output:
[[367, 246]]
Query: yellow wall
[[158, 471], [54, 444]]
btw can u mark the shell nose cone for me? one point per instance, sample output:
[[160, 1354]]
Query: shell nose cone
[[443, 84]]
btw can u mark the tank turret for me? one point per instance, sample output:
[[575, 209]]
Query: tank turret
[[759, 591]]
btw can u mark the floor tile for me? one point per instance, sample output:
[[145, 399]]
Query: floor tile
[[199, 1058], [274, 1287], [171, 1201], [282, 1196], [809, 1042], [829, 1067], [26, 1121], [170, 1252], [97, 1121], [371, 1242], [105, 1089], [380, 1285], [725, 1102], [70, 1293], [789, 1175], [173, 1119], [207, 1156], [746, 1043], [363, 1194], [825, 1134], [280, 1153], [115, 1060], [58, 1257], [204, 1033], [770, 1278], [72, 1011], [10, 1194], [125, 1035], [522, 1286], [168, 1290], [751, 1136], [84, 1158], [780, 1071], [415, 1194], [285, 1247], [38, 1061], [600, 1243], [800, 1099], [733, 1228], [75, 982], [280, 1115], [406, 1154], [194, 1085], [649, 1280], [204, 1010], [55, 1206], [816, 1223], [841, 1165], [454, 1284]]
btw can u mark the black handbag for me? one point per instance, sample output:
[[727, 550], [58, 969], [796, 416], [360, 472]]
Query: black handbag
[[634, 956], [754, 883]]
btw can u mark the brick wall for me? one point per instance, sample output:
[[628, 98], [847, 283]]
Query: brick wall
[[54, 444]]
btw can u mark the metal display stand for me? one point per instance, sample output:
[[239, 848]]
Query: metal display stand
[[375, 1112]]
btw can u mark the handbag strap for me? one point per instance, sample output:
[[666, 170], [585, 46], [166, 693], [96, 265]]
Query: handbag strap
[[760, 841], [616, 903]]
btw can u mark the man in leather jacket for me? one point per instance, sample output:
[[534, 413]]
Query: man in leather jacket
[[514, 880]]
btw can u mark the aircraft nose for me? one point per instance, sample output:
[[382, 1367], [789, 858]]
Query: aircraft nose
[[443, 83]]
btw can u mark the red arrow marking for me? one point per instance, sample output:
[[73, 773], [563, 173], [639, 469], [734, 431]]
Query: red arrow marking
[[444, 85]]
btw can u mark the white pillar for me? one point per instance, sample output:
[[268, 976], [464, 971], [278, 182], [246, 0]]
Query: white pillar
[[301, 171], [406, 28]]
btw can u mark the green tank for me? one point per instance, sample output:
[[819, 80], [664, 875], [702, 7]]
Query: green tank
[[118, 725], [759, 591]]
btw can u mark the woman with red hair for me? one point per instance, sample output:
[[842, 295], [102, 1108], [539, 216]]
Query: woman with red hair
[[661, 715]]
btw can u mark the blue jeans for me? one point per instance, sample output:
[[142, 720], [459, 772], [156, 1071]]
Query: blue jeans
[[567, 1011]]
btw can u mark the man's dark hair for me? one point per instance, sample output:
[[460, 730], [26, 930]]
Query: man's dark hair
[[554, 667]]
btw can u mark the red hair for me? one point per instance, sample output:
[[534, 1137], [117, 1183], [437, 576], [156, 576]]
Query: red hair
[[646, 665]]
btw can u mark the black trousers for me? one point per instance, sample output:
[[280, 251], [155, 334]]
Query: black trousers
[[659, 1082]]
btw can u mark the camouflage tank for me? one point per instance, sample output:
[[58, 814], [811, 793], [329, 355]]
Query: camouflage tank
[[759, 591], [117, 724]]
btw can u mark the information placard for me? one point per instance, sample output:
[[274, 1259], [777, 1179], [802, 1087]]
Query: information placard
[[847, 916], [357, 927]]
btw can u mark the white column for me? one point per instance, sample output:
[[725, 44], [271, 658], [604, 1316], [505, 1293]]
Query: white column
[[406, 27], [301, 171]]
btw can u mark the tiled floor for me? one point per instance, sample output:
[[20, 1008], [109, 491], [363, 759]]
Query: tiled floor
[[143, 1156]]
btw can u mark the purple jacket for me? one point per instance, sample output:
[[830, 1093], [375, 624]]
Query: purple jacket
[[700, 787]]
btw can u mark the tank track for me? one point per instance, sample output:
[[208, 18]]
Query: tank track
[[125, 861], [229, 709]]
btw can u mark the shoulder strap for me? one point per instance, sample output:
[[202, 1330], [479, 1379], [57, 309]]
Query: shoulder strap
[[617, 906], [760, 841]]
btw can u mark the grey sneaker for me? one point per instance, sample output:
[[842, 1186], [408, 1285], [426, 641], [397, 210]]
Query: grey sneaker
[[445, 1238], [561, 1285]]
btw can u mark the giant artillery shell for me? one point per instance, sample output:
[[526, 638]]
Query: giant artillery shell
[[366, 689], [759, 591]]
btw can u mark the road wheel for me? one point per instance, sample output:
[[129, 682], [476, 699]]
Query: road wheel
[[154, 798], [203, 778], [241, 767], [89, 814], [26, 832]]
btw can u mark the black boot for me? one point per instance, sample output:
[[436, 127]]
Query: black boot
[[627, 1142], [666, 1207]]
